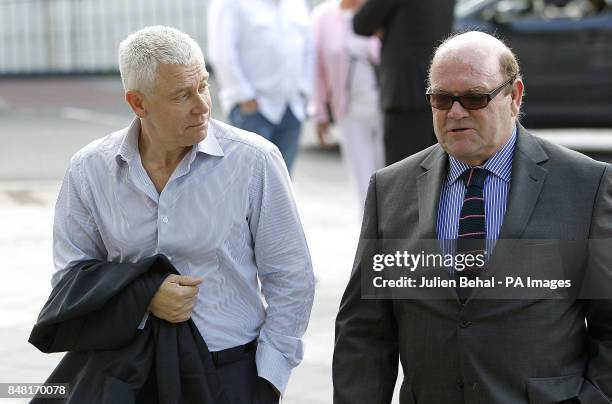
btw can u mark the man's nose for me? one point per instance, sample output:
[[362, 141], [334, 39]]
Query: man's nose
[[457, 111], [201, 106]]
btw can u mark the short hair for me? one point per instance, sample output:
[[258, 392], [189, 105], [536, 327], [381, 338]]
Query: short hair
[[141, 53], [509, 65], [508, 62]]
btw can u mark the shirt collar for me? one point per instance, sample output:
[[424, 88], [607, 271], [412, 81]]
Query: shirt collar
[[500, 164], [128, 149], [210, 144], [129, 145]]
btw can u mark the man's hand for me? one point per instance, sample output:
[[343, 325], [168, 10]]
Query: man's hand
[[248, 107], [351, 4], [175, 298]]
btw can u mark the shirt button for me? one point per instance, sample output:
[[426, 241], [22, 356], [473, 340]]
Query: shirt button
[[165, 219]]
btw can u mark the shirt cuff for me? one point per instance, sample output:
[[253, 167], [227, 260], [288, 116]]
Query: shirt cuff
[[272, 366], [143, 321]]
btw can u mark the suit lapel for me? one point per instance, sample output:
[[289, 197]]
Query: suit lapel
[[525, 184], [429, 185]]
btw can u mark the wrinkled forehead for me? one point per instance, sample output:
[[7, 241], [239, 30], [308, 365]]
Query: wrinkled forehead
[[466, 67], [171, 75]]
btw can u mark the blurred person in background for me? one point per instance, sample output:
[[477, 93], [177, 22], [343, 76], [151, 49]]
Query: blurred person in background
[[410, 32], [346, 87], [262, 54]]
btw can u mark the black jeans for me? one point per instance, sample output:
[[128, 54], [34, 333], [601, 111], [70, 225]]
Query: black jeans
[[238, 375]]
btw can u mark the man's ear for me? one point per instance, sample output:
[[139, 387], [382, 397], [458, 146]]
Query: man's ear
[[518, 89], [136, 100]]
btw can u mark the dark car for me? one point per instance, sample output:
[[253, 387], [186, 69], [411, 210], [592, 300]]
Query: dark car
[[565, 52]]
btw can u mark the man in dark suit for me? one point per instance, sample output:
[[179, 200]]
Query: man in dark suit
[[503, 345], [410, 31]]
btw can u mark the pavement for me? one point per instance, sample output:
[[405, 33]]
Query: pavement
[[44, 121]]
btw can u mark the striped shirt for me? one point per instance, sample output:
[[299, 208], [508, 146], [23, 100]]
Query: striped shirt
[[496, 187], [227, 215]]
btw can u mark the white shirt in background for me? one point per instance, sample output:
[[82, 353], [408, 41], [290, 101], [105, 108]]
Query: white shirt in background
[[263, 50]]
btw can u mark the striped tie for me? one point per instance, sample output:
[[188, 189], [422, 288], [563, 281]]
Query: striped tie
[[472, 226]]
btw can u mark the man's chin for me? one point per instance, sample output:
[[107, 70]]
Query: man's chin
[[203, 133], [199, 131], [461, 150]]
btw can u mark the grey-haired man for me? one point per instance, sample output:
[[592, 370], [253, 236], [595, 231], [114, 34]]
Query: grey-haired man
[[215, 200]]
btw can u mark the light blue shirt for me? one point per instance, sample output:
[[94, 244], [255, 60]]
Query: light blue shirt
[[227, 214], [495, 192]]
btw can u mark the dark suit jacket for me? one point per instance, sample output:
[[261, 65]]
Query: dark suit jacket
[[94, 313], [412, 29], [527, 350]]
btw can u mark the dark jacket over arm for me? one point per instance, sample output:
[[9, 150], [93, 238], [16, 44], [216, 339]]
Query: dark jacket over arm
[[94, 312]]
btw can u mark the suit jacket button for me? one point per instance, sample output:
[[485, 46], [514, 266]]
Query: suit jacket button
[[465, 324], [460, 384]]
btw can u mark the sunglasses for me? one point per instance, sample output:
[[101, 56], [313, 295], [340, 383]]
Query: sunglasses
[[468, 101]]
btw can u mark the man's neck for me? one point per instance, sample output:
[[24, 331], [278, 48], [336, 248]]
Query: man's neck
[[158, 159], [158, 153]]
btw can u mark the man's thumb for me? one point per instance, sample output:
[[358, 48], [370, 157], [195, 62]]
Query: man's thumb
[[184, 280]]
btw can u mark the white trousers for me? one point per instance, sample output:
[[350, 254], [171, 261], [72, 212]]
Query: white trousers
[[361, 146]]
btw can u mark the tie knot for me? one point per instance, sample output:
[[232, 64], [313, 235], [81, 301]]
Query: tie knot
[[474, 176]]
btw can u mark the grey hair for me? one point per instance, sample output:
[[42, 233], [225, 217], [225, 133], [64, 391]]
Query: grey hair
[[143, 51]]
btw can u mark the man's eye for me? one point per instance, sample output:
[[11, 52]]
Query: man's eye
[[203, 88]]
